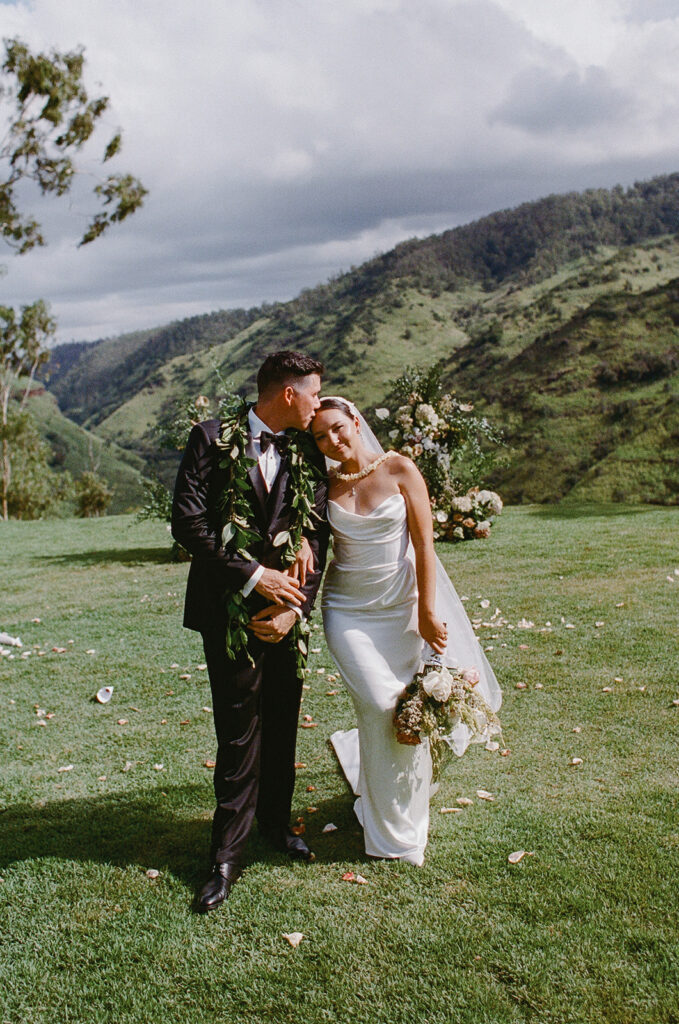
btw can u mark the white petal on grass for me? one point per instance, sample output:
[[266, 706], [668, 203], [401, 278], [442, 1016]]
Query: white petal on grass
[[152, 873], [294, 938], [575, 761], [450, 810], [483, 794], [66, 768], [330, 827], [464, 801]]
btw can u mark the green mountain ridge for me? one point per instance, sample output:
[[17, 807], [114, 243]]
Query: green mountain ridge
[[557, 319]]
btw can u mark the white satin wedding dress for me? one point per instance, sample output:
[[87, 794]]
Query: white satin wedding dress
[[369, 606]]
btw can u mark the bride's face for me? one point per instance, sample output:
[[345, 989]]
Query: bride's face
[[336, 434]]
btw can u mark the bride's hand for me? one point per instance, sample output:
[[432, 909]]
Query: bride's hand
[[433, 631], [303, 564]]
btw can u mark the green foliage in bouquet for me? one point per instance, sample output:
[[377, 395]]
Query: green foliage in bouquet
[[452, 446]]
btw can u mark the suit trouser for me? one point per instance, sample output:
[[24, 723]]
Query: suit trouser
[[256, 711]]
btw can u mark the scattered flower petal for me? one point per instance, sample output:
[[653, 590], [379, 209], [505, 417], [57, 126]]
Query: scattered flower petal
[[207, 709], [66, 768], [122, 721], [210, 764], [521, 686], [330, 827], [294, 938], [450, 810], [576, 761], [539, 686], [464, 801], [152, 873], [485, 603], [158, 767], [517, 856], [311, 789], [483, 794], [577, 729], [200, 668]]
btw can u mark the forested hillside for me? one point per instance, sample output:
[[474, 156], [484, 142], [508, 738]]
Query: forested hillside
[[558, 318]]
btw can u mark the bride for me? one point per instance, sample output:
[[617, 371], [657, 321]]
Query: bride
[[385, 594]]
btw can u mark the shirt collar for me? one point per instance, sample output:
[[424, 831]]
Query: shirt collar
[[257, 425]]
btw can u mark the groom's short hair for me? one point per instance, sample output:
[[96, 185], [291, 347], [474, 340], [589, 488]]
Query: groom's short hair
[[285, 367]]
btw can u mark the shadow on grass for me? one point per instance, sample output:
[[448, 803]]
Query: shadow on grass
[[152, 830], [585, 511], [110, 556]]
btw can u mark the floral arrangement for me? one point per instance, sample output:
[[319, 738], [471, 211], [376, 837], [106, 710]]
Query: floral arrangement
[[451, 445], [468, 517], [435, 702]]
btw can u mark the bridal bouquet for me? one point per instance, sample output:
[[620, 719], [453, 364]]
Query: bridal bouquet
[[435, 702]]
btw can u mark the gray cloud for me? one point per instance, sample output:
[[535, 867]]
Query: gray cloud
[[284, 142], [543, 102]]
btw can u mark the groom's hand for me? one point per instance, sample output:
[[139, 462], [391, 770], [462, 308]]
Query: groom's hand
[[272, 623], [279, 587]]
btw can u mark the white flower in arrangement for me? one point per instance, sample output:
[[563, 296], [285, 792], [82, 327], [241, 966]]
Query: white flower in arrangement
[[462, 504], [492, 500], [202, 402], [426, 415], [458, 533], [428, 444], [393, 434], [417, 450], [407, 450], [438, 685], [441, 516], [465, 406], [382, 414]]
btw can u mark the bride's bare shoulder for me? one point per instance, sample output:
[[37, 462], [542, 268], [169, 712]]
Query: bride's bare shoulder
[[402, 469]]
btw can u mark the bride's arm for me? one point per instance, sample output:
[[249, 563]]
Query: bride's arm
[[418, 511]]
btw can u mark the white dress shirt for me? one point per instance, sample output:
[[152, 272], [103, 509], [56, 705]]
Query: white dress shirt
[[269, 464]]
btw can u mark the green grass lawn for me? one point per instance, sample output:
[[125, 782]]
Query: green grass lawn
[[585, 930]]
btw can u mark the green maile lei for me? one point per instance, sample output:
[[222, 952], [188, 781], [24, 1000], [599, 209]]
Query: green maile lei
[[236, 512]]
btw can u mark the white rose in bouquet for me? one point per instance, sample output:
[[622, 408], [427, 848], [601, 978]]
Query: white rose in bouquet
[[463, 504], [382, 414], [426, 415], [438, 685]]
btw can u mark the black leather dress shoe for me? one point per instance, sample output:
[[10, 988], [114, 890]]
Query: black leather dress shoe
[[284, 840], [218, 886]]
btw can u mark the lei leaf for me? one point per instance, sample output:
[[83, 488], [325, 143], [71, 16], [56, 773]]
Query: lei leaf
[[236, 516]]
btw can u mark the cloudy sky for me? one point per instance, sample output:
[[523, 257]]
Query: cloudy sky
[[285, 140]]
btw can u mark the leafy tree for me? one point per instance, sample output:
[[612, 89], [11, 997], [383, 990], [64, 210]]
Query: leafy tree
[[49, 118], [93, 497], [35, 490], [22, 351]]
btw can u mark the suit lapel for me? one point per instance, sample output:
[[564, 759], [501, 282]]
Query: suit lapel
[[257, 481], [277, 494]]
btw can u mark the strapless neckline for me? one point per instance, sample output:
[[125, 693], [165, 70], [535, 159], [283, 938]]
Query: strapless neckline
[[366, 515]]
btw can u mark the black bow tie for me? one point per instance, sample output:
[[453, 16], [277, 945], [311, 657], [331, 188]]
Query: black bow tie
[[280, 441]]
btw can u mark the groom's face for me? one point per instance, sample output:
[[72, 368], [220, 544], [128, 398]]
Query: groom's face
[[304, 400]]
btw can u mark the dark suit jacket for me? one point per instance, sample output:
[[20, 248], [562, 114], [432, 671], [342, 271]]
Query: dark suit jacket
[[196, 525]]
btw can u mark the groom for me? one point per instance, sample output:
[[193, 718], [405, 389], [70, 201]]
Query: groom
[[255, 700]]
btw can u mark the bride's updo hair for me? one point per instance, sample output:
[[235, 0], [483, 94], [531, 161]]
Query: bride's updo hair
[[337, 403]]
